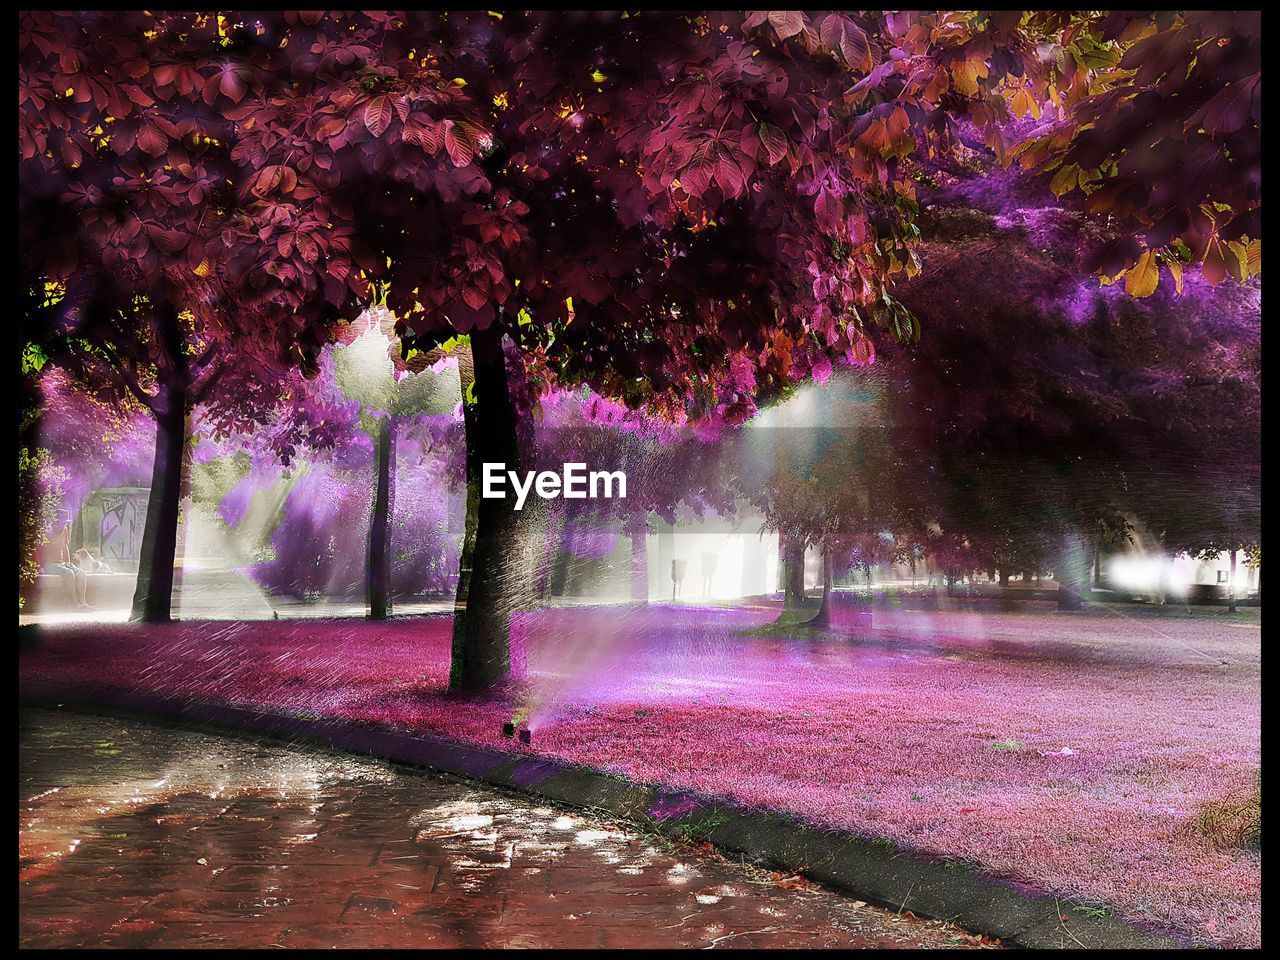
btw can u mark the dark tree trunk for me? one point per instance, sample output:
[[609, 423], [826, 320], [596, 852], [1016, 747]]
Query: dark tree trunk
[[153, 594], [1004, 579], [378, 554], [793, 573], [487, 576], [1097, 565], [1071, 576]]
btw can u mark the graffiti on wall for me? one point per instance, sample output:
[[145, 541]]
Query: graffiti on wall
[[121, 527]]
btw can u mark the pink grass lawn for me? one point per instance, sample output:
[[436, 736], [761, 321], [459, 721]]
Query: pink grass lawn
[[1071, 752]]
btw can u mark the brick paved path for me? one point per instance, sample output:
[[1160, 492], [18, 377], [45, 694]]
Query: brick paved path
[[139, 834]]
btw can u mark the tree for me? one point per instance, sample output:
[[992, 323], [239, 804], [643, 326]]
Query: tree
[[1048, 408], [97, 437], [370, 370], [126, 154], [338, 438], [1195, 430], [629, 201], [1004, 416], [182, 375], [682, 212], [633, 200], [304, 524], [820, 470]]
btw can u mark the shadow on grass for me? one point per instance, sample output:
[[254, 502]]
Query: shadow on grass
[[796, 623]]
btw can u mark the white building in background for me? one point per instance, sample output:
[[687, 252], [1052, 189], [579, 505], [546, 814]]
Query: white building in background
[[718, 563], [1145, 572]]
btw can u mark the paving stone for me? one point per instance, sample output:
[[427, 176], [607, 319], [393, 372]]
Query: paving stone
[[299, 847]]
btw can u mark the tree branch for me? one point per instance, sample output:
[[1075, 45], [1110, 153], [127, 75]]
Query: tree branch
[[127, 375], [77, 359], [206, 356], [201, 392]]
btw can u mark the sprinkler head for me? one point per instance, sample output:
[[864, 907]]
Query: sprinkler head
[[525, 736], [508, 729]]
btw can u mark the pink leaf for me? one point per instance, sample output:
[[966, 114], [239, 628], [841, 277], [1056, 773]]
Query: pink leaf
[[377, 115], [786, 23]]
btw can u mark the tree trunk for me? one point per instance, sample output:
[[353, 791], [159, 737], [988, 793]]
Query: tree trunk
[[153, 593], [487, 576], [378, 554], [1162, 586], [1004, 579], [1070, 575], [637, 533], [550, 548], [1231, 585], [823, 618], [1097, 565], [793, 583]]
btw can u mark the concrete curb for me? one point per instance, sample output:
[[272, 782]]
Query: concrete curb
[[872, 870]]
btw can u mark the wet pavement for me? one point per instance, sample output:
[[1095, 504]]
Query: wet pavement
[[138, 834]]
